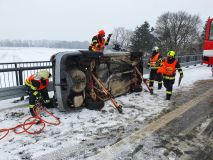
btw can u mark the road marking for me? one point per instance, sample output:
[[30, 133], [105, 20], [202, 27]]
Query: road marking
[[127, 144]]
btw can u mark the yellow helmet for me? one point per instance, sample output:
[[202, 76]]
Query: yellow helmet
[[171, 54], [44, 74]]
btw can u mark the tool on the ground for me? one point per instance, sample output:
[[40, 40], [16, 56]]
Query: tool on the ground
[[141, 76], [38, 122], [92, 92], [108, 94], [179, 81]]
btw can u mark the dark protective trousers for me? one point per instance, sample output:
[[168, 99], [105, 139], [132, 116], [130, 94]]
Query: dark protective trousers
[[32, 100], [168, 84], [154, 76]]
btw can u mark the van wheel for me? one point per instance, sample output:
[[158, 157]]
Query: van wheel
[[94, 105]]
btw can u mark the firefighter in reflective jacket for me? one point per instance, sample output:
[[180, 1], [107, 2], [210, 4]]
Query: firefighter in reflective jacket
[[168, 69], [98, 42], [37, 89], [155, 61]]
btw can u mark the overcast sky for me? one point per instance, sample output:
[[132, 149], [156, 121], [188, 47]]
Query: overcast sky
[[80, 19]]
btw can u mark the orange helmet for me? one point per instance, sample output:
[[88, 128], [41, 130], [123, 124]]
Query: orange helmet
[[101, 32]]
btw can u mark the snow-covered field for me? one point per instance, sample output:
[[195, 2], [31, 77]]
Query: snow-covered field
[[83, 125], [19, 54]]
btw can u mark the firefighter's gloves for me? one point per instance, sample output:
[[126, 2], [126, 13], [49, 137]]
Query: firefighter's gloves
[[47, 101], [148, 65], [109, 36], [28, 91], [39, 97], [90, 48]]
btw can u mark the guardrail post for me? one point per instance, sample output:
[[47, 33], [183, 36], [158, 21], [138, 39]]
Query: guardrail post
[[16, 72], [20, 77], [200, 59], [21, 81], [187, 61]]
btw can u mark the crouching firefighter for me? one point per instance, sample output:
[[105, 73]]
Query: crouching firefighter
[[168, 69], [98, 42], [37, 89], [155, 61]]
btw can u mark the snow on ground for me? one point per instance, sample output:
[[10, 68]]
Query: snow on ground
[[83, 124], [23, 54]]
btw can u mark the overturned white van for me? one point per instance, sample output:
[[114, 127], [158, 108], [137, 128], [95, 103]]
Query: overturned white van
[[84, 78]]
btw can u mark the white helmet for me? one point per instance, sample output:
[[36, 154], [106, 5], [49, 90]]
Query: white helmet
[[44, 74], [155, 48]]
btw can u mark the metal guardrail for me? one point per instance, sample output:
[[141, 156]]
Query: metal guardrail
[[13, 75], [18, 91], [188, 60], [185, 61]]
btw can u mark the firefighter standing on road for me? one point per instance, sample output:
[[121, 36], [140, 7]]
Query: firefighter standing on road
[[168, 69], [37, 89], [155, 61], [98, 42]]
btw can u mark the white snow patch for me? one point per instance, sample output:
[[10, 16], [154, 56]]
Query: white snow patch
[[81, 125]]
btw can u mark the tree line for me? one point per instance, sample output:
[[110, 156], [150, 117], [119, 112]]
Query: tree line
[[177, 31], [44, 43]]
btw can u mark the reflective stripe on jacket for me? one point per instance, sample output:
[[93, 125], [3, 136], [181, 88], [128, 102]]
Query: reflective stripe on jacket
[[153, 60], [97, 42], [170, 69]]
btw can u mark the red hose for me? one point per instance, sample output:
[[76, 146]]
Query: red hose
[[48, 122], [5, 134], [28, 124], [15, 129], [27, 130]]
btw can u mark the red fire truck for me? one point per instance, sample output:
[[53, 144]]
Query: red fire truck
[[208, 43]]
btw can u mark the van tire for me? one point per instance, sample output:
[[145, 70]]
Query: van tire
[[94, 105]]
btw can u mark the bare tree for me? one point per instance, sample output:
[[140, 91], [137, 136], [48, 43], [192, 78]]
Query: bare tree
[[122, 37], [177, 31]]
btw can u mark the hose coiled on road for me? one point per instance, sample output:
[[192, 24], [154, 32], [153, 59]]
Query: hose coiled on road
[[38, 121]]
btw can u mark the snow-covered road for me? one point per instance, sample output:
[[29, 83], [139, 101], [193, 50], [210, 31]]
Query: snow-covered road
[[85, 127]]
